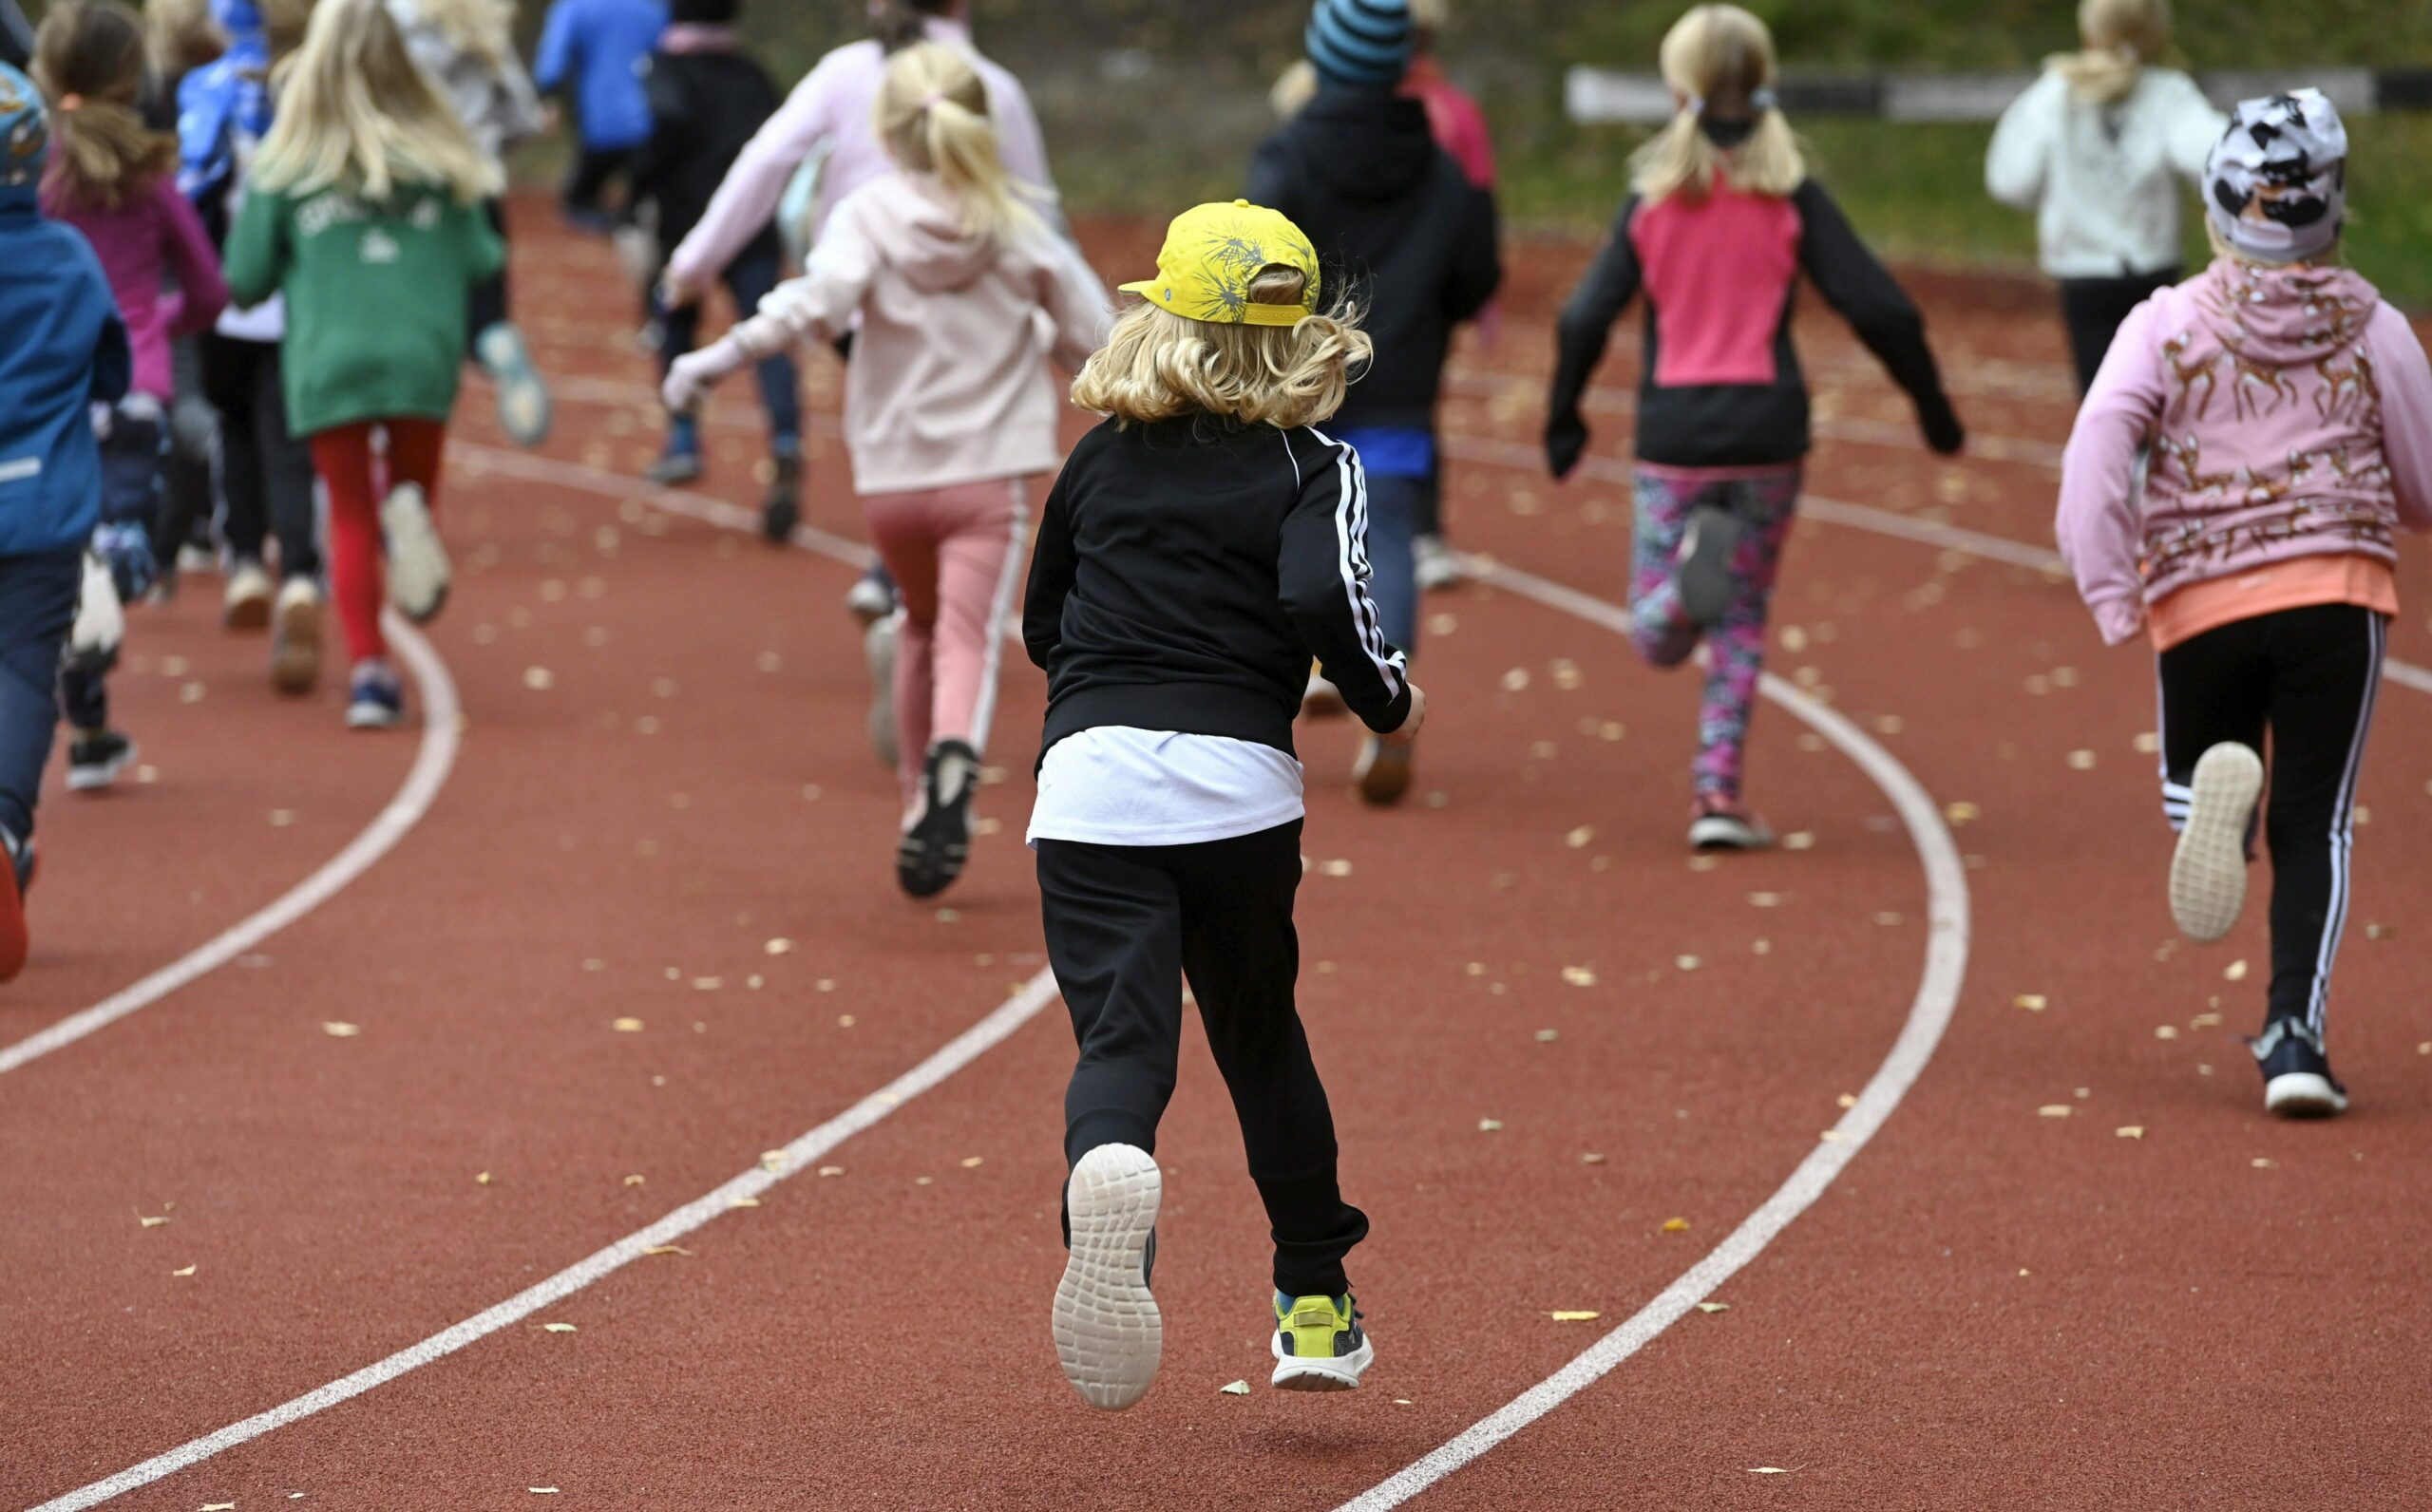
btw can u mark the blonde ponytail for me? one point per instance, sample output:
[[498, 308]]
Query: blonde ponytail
[[358, 115], [1719, 63], [932, 113], [1158, 366], [2120, 37], [89, 59]]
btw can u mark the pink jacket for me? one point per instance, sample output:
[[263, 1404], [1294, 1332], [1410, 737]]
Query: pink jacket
[[832, 107], [949, 382], [2290, 414], [147, 234]]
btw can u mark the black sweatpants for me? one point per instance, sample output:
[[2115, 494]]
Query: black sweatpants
[[1125, 925], [265, 470], [2093, 309], [486, 305], [2308, 677], [594, 168]]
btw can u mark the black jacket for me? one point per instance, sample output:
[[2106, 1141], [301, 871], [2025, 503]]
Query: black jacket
[[1185, 572], [1392, 214], [1730, 425], [704, 107]]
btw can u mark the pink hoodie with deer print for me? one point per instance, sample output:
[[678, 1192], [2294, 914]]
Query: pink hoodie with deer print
[[2289, 415]]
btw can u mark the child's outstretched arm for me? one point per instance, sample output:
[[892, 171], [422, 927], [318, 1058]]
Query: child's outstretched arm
[[1051, 577], [2097, 525], [817, 305], [1877, 308], [2407, 414], [748, 194], [1580, 337], [1075, 301], [1322, 564], [2020, 155]]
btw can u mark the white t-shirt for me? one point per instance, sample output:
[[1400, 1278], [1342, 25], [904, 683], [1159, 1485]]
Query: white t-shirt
[[1115, 786]]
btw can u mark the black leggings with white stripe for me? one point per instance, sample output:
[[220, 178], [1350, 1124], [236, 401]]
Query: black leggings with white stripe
[[2308, 677]]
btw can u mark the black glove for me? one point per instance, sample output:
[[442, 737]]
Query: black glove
[[1943, 432], [1566, 442]]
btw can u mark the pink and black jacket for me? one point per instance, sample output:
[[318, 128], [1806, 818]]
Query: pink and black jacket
[[1720, 385]]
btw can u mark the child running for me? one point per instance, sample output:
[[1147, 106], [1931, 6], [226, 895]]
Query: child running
[[956, 281], [1200, 548], [595, 48], [706, 99], [114, 178], [1721, 222], [1359, 169], [2289, 413], [366, 197], [63, 350], [2097, 147]]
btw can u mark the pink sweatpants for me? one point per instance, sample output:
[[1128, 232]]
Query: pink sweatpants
[[955, 554]]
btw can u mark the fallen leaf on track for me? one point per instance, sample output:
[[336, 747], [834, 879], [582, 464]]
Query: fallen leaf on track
[[540, 679], [341, 1031], [668, 1249], [219, 1506], [2032, 1002], [188, 1271], [556, 1327], [1547, 1036], [1574, 1316], [1675, 1225], [973, 1163], [1768, 1470], [636, 1180], [2130, 1131], [1800, 840], [1579, 838], [1235, 1388], [1490, 1125], [2165, 1031], [1579, 977], [2055, 1111], [2261, 1163], [627, 1026], [1847, 1100], [483, 1179], [1688, 963], [744, 1201], [2234, 972], [1713, 1306], [772, 1159], [150, 1222], [832, 1170], [1592, 1157], [779, 947]]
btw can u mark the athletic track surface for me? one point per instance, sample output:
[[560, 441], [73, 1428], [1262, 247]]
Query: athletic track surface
[[785, 1238]]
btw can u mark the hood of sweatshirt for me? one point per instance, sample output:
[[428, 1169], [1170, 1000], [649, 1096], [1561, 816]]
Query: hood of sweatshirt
[[1363, 145], [2283, 317], [921, 234]]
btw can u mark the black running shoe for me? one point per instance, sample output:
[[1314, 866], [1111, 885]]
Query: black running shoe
[[781, 510], [2296, 1074], [94, 761], [1701, 572], [934, 851]]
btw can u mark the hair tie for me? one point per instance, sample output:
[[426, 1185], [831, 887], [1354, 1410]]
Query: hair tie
[[1762, 99], [933, 99], [72, 102]]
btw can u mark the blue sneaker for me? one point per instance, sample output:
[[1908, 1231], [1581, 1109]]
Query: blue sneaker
[[376, 699], [1319, 1345]]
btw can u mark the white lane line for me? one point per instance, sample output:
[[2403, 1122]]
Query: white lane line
[[1937, 996], [1861, 516], [436, 757], [803, 1154]]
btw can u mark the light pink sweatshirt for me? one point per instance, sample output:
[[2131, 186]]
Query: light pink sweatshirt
[[2289, 412], [949, 382], [832, 107]]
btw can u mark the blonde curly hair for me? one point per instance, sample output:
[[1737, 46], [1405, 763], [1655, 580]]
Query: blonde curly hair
[[1160, 366]]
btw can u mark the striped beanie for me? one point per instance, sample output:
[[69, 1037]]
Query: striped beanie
[[1361, 43]]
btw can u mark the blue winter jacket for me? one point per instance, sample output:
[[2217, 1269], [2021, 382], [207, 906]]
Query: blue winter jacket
[[223, 106], [61, 346], [600, 48]]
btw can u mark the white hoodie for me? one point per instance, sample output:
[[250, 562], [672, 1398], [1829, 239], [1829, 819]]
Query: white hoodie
[[2099, 178]]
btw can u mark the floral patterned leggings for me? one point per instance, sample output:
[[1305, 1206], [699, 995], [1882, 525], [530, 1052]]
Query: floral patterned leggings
[[1663, 632]]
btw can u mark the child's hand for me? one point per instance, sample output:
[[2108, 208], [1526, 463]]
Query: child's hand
[[1566, 442], [674, 294], [691, 379], [1408, 730]]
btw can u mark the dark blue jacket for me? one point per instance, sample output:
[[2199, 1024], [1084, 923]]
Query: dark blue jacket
[[62, 348], [601, 49]]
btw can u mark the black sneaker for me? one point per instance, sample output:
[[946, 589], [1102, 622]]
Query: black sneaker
[[934, 850], [2296, 1074], [95, 759], [782, 510], [1702, 570]]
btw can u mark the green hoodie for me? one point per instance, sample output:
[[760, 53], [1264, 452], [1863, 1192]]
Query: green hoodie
[[376, 297]]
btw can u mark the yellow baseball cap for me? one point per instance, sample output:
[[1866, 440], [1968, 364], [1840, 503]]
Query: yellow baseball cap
[[1211, 255]]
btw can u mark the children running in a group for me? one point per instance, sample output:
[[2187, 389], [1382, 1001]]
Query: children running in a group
[[114, 178], [2289, 412], [63, 350], [956, 281], [1722, 220], [1200, 548], [366, 197], [2096, 148], [707, 98], [1399, 225]]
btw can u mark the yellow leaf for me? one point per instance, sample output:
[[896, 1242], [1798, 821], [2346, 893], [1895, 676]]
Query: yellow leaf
[[2204, 1021], [2165, 1031], [540, 679], [1579, 977], [483, 1179], [542, 1490], [1490, 1125], [1800, 840], [744, 1201], [972, 1163], [1547, 1036], [1764, 899], [1847, 1100], [1961, 812], [2082, 760], [1675, 1225], [2234, 972], [832, 1170], [219, 1506], [627, 1026], [1580, 836], [1235, 1388], [2261, 1163], [1337, 868], [2032, 1002], [188, 1271], [1830, 1136], [556, 1327], [1569, 1316], [336, 1030], [772, 1159], [708, 984], [150, 1222], [1688, 963], [1713, 1306], [668, 1249], [1768, 1470], [2055, 1111], [779, 947], [2130, 1131], [1592, 1157], [636, 1180]]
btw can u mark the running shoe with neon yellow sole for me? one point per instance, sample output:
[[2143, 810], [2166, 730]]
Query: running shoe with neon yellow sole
[[1109, 1334], [1319, 1345], [2207, 873]]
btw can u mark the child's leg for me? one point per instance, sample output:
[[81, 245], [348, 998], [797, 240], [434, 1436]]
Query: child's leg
[[1736, 642], [37, 605], [194, 451], [979, 568], [1394, 506], [904, 527], [287, 470], [1660, 627], [1113, 920], [750, 278], [230, 386], [2214, 690], [2326, 667], [343, 459], [1242, 957]]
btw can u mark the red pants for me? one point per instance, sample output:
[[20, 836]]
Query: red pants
[[358, 481]]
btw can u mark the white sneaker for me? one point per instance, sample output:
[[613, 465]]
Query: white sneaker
[[1382, 772], [245, 605], [295, 638], [100, 625], [2207, 873], [868, 600], [877, 651], [1109, 1334], [418, 569], [1436, 565]]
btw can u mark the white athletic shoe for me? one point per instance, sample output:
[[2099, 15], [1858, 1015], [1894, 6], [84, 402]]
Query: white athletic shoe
[[295, 638], [418, 569], [245, 604], [878, 652], [1382, 771], [1435, 563], [2208, 874], [868, 600], [1107, 1331]]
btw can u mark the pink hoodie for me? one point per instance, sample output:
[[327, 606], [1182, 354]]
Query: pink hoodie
[[2290, 413], [949, 382]]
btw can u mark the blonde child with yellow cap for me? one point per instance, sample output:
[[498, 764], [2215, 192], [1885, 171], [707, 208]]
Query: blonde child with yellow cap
[[1200, 548]]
